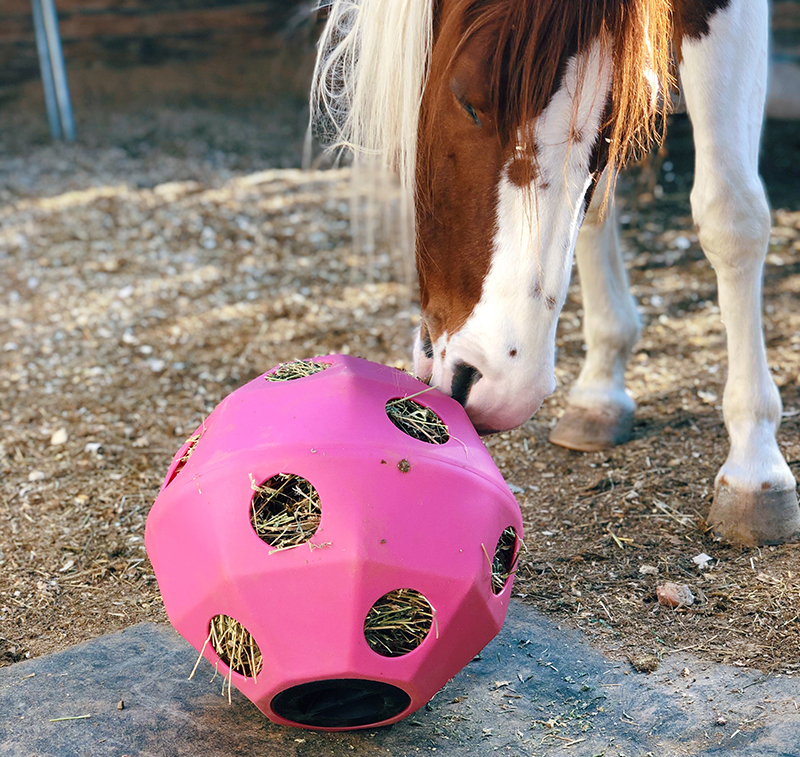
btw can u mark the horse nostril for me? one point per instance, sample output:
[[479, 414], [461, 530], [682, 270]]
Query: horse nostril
[[465, 377]]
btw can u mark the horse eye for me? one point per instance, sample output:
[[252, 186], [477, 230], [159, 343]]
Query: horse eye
[[471, 112]]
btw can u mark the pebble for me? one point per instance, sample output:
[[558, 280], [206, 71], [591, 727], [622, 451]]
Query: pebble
[[59, 437], [674, 595], [702, 560]]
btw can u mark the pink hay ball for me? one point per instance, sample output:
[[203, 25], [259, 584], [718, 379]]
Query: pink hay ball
[[338, 544]]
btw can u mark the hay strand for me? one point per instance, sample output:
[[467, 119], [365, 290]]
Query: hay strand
[[505, 559], [285, 511], [296, 369], [417, 421], [192, 442], [398, 622], [236, 647]]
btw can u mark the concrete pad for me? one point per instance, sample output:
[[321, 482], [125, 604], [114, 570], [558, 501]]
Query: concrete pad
[[534, 691]]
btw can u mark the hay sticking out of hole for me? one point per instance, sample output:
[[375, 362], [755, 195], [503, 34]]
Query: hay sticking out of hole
[[235, 646], [296, 369], [285, 511], [398, 622], [505, 559], [192, 442], [417, 420]]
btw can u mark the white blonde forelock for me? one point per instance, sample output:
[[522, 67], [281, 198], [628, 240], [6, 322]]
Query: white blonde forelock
[[372, 63]]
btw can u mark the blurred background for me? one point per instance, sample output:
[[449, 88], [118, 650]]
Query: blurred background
[[124, 55], [129, 59]]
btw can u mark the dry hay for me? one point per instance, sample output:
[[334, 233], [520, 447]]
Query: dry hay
[[398, 622], [285, 511], [296, 369], [417, 420], [235, 646], [505, 559], [192, 442]]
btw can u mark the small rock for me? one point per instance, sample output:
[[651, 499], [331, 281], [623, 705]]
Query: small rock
[[674, 595], [36, 475], [121, 704], [59, 437], [156, 364], [721, 720], [93, 448], [702, 560], [648, 570]]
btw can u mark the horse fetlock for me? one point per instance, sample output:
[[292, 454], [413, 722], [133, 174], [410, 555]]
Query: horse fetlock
[[595, 427], [616, 334]]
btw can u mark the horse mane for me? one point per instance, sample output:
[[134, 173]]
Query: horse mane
[[374, 59]]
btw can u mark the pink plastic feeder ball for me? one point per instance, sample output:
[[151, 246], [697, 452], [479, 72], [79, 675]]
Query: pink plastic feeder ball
[[339, 544]]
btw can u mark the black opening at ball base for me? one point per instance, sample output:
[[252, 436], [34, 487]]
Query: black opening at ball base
[[340, 703]]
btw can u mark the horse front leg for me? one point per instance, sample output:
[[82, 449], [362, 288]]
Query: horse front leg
[[723, 75], [599, 412]]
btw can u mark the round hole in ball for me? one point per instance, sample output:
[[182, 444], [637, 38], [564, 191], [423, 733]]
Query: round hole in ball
[[416, 420], [285, 511], [189, 447], [235, 646], [505, 559], [398, 622], [295, 369]]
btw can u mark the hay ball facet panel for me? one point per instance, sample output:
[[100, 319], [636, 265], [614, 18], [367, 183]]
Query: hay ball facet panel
[[337, 540]]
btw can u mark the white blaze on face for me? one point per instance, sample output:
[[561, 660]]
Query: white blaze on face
[[510, 336]]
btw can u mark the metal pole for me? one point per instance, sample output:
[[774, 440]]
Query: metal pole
[[47, 72], [59, 69]]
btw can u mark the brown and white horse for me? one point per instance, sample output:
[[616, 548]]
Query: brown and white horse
[[507, 121]]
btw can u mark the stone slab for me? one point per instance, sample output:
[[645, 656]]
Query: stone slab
[[535, 691]]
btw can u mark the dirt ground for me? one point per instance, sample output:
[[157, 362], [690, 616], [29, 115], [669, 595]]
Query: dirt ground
[[165, 260]]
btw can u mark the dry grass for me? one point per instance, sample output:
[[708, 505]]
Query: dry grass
[[235, 646], [398, 622], [417, 420], [505, 559], [295, 369], [192, 442], [285, 511]]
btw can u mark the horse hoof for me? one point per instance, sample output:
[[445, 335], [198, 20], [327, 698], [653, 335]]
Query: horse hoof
[[591, 429], [770, 516]]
